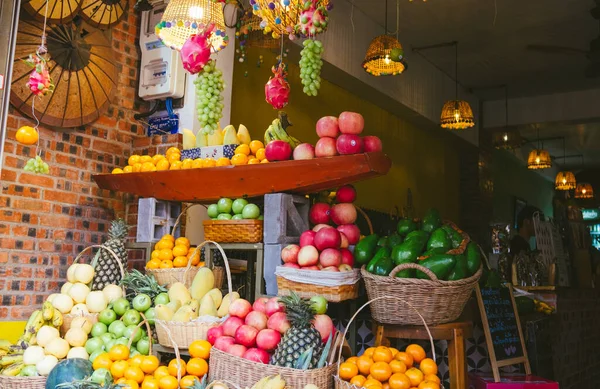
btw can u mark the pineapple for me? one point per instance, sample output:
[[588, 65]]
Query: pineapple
[[301, 336], [106, 266]]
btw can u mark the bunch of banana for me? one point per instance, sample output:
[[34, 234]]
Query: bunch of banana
[[277, 132], [270, 382], [541, 306]]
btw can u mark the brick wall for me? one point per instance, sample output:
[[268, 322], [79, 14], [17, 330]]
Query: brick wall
[[45, 220]]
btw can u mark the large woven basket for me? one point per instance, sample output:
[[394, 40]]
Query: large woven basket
[[183, 334], [334, 286], [7, 382], [233, 231], [438, 301], [92, 317]]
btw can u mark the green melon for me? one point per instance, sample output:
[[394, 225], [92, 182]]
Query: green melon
[[68, 370]]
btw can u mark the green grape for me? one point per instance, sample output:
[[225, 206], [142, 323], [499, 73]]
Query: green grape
[[209, 87], [310, 66]]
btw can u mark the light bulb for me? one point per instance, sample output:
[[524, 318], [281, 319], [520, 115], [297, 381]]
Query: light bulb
[[456, 115], [387, 60], [196, 12], [564, 181], [583, 191], [537, 160], [505, 137]]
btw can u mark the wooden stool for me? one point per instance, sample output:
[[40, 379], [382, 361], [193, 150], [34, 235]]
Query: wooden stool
[[454, 333]]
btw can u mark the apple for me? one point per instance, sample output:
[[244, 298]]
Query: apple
[[307, 238], [344, 267], [231, 325], [107, 337], [142, 302], [143, 346], [330, 257], [320, 226], [325, 147], [328, 126], [330, 268], [150, 315], [319, 213], [246, 335], [314, 267], [107, 316], [278, 322], [324, 325], [372, 143], [224, 205], [99, 329], [120, 306], [257, 320], [214, 333], [260, 304], [347, 257], [131, 317], [318, 304], [268, 339], [344, 213], [133, 331], [349, 144], [351, 123], [278, 150], [161, 298], [251, 211], [351, 231], [237, 349], [93, 345], [308, 256], [344, 244], [292, 265], [223, 343], [345, 194], [304, 151], [257, 355], [327, 238], [238, 206], [289, 254], [274, 306], [240, 308]]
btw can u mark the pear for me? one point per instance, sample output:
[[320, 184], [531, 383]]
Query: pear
[[189, 139], [207, 306], [184, 314], [201, 140], [243, 135], [230, 136], [164, 312], [179, 292], [174, 305]]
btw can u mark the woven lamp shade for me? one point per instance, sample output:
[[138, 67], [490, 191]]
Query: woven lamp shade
[[457, 115], [565, 181], [584, 191], [281, 16], [253, 34], [183, 18], [378, 59], [539, 159], [507, 139]]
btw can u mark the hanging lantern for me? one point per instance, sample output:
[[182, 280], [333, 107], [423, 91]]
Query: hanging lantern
[[508, 139], [384, 57], [565, 181], [295, 18], [584, 191], [457, 115], [539, 159], [184, 18]]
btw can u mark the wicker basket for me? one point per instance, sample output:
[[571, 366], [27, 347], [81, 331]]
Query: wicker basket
[[297, 280], [92, 317], [439, 301], [233, 231], [183, 334], [463, 245], [7, 382]]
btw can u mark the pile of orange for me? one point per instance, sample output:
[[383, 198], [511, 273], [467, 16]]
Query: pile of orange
[[170, 252], [388, 368], [251, 154], [146, 163]]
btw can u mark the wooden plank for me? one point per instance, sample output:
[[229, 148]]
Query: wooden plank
[[210, 184]]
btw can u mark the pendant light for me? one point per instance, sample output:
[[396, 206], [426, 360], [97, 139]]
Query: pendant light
[[539, 158], [385, 56], [565, 180], [584, 191], [507, 139], [457, 114]]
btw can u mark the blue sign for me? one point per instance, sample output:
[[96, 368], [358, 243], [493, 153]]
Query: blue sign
[[590, 214], [162, 125]]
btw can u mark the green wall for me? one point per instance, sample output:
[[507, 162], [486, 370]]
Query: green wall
[[423, 160]]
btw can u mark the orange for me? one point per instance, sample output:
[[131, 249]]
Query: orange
[[175, 365], [197, 367], [153, 264], [256, 145], [148, 167], [397, 366], [133, 160], [179, 250], [168, 382], [386, 385], [223, 161], [135, 361], [182, 241], [165, 254], [260, 154], [432, 377], [117, 170], [172, 150], [253, 161], [364, 363], [381, 371], [428, 366], [166, 264], [429, 385], [150, 383], [200, 349], [404, 357], [415, 376], [154, 254], [382, 354], [369, 352], [128, 169], [209, 162], [149, 364], [370, 382], [130, 384], [175, 165], [195, 258], [352, 360], [118, 368], [134, 373], [264, 161], [157, 158], [187, 381], [121, 381], [145, 158], [119, 352], [137, 167], [102, 361], [399, 381], [393, 350], [164, 244], [348, 371], [358, 380], [239, 159], [242, 149], [163, 164], [160, 372], [416, 352], [197, 164], [168, 237], [187, 163], [180, 261], [174, 158]]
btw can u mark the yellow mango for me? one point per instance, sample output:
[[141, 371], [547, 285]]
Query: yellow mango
[[216, 295], [178, 292], [207, 306], [227, 300], [203, 282], [164, 312]]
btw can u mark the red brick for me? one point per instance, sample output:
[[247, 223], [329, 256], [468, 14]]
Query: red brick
[[8, 175], [36, 179], [60, 197]]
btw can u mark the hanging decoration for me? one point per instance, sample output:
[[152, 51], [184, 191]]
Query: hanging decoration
[[209, 89], [565, 181], [102, 14], [457, 114], [584, 191], [294, 18], [277, 89], [310, 66], [195, 52], [539, 159], [250, 34], [40, 83]]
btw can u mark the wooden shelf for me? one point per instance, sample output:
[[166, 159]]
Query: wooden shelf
[[210, 184]]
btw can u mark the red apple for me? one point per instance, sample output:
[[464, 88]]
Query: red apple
[[231, 325], [319, 213], [345, 194], [328, 126], [372, 143], [347, 257], [308, 256], [311, 268], [257, 320], [344, 213], [278, 150], [240, 308], [237, 349], [257, 355], [289, 254], [246, 335], [274, 306], [325, 147], [345, 243], [224, 342], [292, 265], [260, 304], [307, 238], [320, 226], [214, 333], [330, 257], [330, 268], [268, 339], [349, 144], [344, 267], [327, 238], [324, 325], [278, 322], [351, 231], [304, 151], [351, 123]]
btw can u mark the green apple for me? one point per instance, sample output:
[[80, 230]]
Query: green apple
[[93, 344], [131, 317], [142, 302], [106, 337], [143, 346], [28, 371], [237, 217], [117, 327], [120, 306], [251, 211], [95, 354], [213, 210], [161, 298], [224, 205], [318, 304], [133, 352], [133, 331], [107, 316], [238, 206], [122, 340], [108, 345], [224, 216], [150, 315], [102, 376], [99, 329]]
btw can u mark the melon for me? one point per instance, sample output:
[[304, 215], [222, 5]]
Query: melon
[[68, 370]]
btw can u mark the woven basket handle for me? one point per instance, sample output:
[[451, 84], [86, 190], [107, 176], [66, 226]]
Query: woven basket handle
[[183, 211], [339, 361], [415, 266], [111, 252], [175, 347], [144, 321], [364, 214], [210, 265]]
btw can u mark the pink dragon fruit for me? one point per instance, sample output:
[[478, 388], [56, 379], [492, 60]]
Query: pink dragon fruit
[[277, 89], [39, 82], [313, 20], [195, 52]]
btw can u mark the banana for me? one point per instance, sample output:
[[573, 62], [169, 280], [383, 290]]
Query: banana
[[261, 383], [10, 359], [57, 319], [47, 310], [31, 320], [3, 353], [4, 344], [33, 340], [279, 131], [275, 382], [13, 369], [31, 329], [18, 348]]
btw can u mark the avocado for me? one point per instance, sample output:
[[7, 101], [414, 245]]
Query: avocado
[[381, 253], [454, 236], [406, 226], [384, 266], [406, 273], [409, 250], [460, 269], [431, 221], [420, 236], [434, 251], [473, 258], [441, 265], [365, 249], [394, 240], [382, 242], [439, 239]]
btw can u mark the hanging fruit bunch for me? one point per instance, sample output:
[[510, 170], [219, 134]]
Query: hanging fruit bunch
[[277, 89], [209, 89], [39, 82], [195, 52]]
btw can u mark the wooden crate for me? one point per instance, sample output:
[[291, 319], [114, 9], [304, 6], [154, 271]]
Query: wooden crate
[[155, 219], [286, 217]]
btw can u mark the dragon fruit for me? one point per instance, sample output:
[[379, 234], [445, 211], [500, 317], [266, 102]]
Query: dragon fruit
[[277, 89], [39, 82], [313, 20], [195, 52]]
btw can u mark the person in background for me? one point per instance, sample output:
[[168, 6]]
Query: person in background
[[525, 230]]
